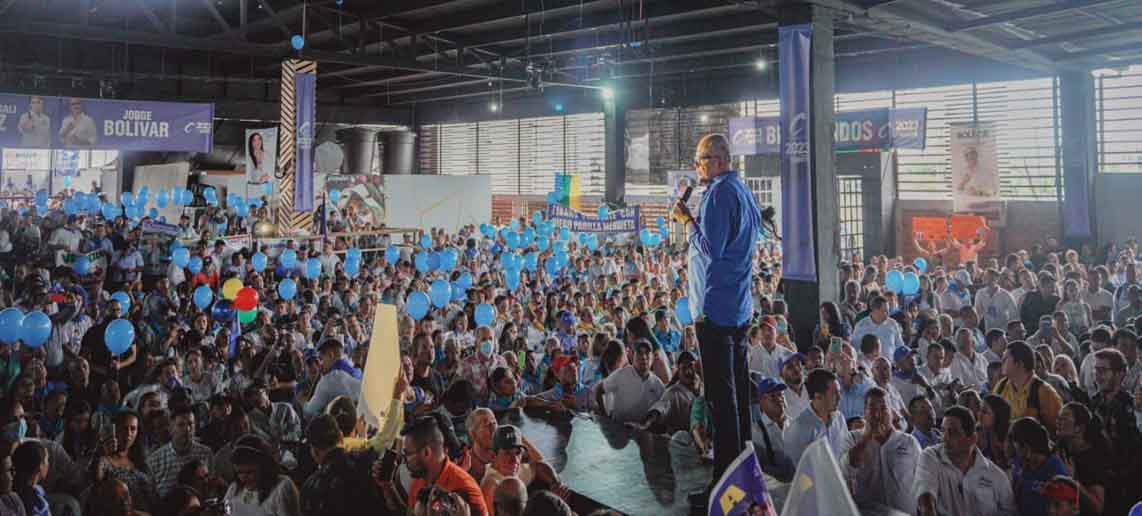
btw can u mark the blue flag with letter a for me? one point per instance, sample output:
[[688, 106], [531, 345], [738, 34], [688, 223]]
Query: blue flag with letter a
[[741, 490]]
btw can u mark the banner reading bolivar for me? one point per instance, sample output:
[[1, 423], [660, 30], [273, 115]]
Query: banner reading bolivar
[[43, 122]]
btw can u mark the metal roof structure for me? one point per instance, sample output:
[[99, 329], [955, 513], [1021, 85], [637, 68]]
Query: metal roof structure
[[407, 52]]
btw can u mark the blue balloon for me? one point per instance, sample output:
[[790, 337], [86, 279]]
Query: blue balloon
[[911, 284], [353, 254], [335, 195], [297, 42], [458, 292], [288, 259], [448, 259], [564, 234], [259, 261], [153, 213], [67, 181], [421, 262], [542, 243], [487, 230], [485, 314], [512, 240], [69, 207], [313, 268], [187, 197], [210, 193], [241, 209], [593, 243], [894, 280], [560, 246], [352, 268], [162, 198], [515, 225], [268, 188], [537, 218], [82, 265], [223, 311], [426, 241], [465, 280], [119, 336], [417, 305], [37, 327], [553, 197], [11, 325], [180, 256], [392, 254], [511, 279], [531, 261], [921, 264], [440, 292], [682, 310], [434, 261], [287, 288], [644, 236], [551, 267], [127, 199], [194, 265], [661, 221], [604, 211], [203, 297], [110, 211], [41, 197]]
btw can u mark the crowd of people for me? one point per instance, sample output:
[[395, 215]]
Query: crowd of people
[[1005, 386]]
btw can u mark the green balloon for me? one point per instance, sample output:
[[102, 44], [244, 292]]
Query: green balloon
[[247, 316]]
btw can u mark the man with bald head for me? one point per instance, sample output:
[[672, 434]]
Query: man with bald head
[[721, 249]]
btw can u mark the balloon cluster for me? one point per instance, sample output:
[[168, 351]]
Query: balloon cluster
[[907, 284]]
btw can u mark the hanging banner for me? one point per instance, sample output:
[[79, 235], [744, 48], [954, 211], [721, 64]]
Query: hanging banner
[[975, 165], [261, 154], [873, 129], [305, 85], [43, 122], [799, 256], [625, 220]]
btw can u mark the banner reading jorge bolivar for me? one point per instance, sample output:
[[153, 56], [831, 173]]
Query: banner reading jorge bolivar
[[624, 220]]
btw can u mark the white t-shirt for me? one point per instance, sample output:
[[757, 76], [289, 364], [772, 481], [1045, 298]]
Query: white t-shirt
[[282, 501], [628, 397]]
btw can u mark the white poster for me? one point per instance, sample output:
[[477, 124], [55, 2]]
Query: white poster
[[261, 154], [679, 181], [447, 202], [975, 166]]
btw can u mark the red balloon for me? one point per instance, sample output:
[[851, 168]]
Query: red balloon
[[247, 299]]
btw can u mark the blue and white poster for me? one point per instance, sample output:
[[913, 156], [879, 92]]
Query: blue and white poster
[[872, 129], [799, 257], [43, 122], [305, 86]]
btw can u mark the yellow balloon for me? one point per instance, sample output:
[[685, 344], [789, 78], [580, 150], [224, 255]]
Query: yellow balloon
[[231, 287]]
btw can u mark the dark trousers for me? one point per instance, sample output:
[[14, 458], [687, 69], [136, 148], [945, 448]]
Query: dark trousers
[[725, 371]]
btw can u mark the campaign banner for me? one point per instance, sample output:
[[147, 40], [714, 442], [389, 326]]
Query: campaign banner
[[44, 122], [742, 490], [624, 220], [151, 226], [872, 129], [975, 165], [261, 155], [799, 256], [305, 85]]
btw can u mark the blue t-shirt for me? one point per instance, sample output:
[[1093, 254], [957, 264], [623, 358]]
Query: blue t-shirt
[[1029, 497]]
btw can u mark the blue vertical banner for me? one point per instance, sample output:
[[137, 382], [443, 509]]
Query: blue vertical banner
[[794, 50], [305, 85]]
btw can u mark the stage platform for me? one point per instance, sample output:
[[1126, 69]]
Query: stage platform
[[630, 471]]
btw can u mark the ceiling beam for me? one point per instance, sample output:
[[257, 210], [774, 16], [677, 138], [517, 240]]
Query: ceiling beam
[[227, 30], [275, 17], [140, 4], [1030, 12], [886, 20], [1077, 35], [1093, 52]]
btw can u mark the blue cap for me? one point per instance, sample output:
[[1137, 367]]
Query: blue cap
[[567, 317], [796, 356], [901, 352], [768, 385]]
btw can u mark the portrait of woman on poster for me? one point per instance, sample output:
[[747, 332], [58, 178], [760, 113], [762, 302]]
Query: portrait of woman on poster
[[256, 151]]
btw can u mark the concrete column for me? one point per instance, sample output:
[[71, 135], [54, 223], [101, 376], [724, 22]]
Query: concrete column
[[614, 121], [804, 296], [1080, 155]]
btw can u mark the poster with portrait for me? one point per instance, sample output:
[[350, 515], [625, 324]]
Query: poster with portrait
[[679, 181], [975, 165], [261, 154]]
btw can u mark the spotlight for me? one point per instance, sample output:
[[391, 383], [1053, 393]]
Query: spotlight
[[559, 108], [704, 118], [607, 93], [760, 64], [493, 107]]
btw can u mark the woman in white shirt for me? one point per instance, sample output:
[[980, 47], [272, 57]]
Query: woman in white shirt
[[260, 489], [1077, 310]]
